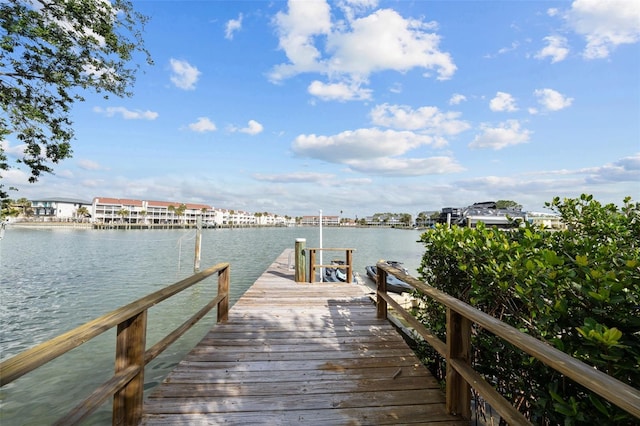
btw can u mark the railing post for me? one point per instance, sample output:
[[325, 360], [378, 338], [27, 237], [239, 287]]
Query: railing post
[[458, 348], [312, 265], [223, 288], [130, 348], [349, 265], [300, 261], [381, 277]]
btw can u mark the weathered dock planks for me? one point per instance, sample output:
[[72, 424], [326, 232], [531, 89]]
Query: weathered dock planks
[[300, 354]]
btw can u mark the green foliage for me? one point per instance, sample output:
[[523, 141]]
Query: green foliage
[[578, 289], [508, 204], [51, 50]]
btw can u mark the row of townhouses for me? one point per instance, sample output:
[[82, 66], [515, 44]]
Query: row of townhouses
[[148, 212]]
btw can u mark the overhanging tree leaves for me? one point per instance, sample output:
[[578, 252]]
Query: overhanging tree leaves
[[50, 52]]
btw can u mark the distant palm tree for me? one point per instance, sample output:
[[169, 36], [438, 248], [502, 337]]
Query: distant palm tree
[[24, 205], [180, 210], [122, 213], [82, 212], [172, 209]]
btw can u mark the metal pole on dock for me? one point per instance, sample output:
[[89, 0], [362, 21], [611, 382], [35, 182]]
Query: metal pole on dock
[[321, 268], [196, 262]]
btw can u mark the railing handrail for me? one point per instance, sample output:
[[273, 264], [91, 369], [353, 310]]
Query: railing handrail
[[348, 261], [128, 335], [615, 391]]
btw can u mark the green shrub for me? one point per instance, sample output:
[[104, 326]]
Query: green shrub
[[577, 289]]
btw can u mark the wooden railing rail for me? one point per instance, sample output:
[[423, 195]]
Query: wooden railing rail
[[127, 385], [348, 263], [460, 376]]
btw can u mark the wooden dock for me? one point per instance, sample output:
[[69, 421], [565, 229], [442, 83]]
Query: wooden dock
[[295, 353]]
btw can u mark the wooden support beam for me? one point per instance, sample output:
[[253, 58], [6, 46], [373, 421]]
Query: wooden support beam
[[458, 348], [130, 349]]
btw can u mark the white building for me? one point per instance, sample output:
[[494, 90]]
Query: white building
[[123, 210], [315, 221], [546, 220], [58, 209]]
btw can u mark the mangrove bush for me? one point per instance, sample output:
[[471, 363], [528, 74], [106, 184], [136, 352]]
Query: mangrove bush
[[577, 289]]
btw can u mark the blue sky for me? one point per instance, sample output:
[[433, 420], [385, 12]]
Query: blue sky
[[366, 106]]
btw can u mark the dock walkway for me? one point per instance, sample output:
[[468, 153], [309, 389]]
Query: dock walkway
[[295, 353]]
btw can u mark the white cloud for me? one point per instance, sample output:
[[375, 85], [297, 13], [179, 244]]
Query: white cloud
[[624, 170], [15, 150], [506, 134], [297, 29], [426, 119], [457, 98], [90, 165], [514, 45], [184, 75], [338, 91], [556, 49], [396, 88], [293, 177], [605, 24], [369, 46], [126, 113], [351, 8], [358, 144], [407, 166], [375, 151], [15, 177], [233, 25], [552, 100], [352, 49], [503, 102], [253, 128], [203, 125]]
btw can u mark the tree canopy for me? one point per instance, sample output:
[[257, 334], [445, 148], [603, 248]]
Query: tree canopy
[[50, 52], [508, 204]]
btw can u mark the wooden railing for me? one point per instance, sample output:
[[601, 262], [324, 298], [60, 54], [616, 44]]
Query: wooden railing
[[460, 376], [348, 262], [127, 384]]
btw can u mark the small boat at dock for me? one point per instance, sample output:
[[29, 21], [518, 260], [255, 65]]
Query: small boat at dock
[[394, 284], [337, 274]]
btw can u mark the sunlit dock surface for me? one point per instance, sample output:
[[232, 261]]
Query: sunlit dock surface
[[295, 353]]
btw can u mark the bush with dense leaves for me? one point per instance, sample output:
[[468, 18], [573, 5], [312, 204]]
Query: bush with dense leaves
[[577, 289]]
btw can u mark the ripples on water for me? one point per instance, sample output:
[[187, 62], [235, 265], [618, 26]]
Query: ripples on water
[[53, 280]]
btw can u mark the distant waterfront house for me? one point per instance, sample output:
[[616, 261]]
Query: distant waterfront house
[[315, 221], [58, 209], [546, 220], [122, 210]]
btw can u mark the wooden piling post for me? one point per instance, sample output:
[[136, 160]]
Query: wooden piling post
[[196, 262], [300, 260], [381, 307], [312, 265], [458, 392], [130, 349], [224, 277], [349, 262]]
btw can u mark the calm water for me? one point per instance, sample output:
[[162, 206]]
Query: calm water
[[52, 280]]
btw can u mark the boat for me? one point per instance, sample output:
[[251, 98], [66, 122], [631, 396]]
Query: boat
[[394, 284], [337, 274]]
